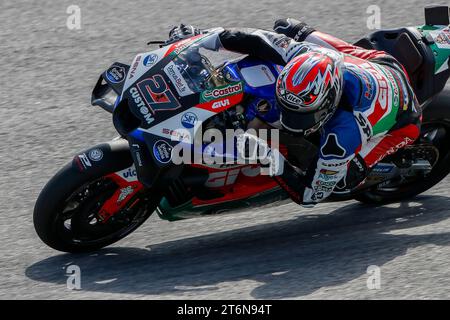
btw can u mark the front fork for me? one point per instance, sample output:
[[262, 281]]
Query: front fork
[[126, 192], [113, 155]]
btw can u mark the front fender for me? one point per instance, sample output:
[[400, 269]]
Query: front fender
[[104, 158]]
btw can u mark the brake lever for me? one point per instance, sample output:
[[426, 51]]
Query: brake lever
[[158, 42], [155, 42], [163, 43]]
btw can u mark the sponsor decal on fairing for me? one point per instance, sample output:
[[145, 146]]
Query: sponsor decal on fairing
[[115, 74], [177, 79], [83, 159], [182, 125], [134, 67], [141, 105], [441, 38], [189, 119], [150, 59], [128, 174], [221, 104], [157, 94], [95, 154], [162, 151], [221, 92], [178, 47], [177, 134]]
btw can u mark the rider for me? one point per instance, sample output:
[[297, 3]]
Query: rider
[[360, 100]]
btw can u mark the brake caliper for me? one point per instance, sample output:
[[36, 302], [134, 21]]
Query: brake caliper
[[121, 197]]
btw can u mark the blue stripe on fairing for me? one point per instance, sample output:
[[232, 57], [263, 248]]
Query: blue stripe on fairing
[[117, 101], [138, 134]]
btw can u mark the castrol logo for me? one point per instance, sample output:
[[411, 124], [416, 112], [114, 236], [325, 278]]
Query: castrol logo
[[222, 92]]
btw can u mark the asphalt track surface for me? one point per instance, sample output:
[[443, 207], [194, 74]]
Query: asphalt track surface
[[48, 72]]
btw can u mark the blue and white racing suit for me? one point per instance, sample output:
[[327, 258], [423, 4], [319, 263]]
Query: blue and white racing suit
[[377, 115]]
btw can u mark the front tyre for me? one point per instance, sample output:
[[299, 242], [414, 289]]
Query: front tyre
[[66, 214]]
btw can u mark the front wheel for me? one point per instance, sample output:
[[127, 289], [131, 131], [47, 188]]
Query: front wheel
[[66, 214]]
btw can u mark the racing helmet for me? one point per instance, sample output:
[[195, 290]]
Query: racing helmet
[[308, 90]]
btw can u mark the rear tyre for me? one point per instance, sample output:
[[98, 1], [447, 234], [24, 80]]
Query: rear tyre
[[436, 117], [410, 190]]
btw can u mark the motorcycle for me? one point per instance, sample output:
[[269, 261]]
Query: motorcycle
[[109, 190]]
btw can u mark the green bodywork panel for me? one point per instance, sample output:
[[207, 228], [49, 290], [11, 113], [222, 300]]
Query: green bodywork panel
[[441, 47], [441, 51], [187, 210]]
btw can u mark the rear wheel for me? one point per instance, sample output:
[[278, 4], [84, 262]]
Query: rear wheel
[[66, 214], [411, 187]]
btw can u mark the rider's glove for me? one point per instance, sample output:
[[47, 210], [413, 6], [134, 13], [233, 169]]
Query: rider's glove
[[182, 32], [273, 164], [252, 149], [293, 28]]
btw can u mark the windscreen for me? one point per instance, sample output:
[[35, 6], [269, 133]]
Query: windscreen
[[195, 66]]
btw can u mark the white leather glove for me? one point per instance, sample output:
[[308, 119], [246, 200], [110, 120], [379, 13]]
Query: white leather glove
[[251, 149]]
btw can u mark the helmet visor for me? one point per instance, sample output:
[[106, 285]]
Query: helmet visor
[[302, 123]]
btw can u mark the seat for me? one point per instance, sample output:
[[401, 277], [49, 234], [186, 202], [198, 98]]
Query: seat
[[413, 51], [409, 47]]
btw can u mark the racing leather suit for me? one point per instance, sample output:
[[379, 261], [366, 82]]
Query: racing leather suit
[[377, 114]]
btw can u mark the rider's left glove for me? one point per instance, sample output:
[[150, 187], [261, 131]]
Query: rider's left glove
[[182, 32], [293, 28]]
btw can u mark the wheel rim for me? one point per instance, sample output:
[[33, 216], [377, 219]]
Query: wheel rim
[[443, 149], [78, 222]]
